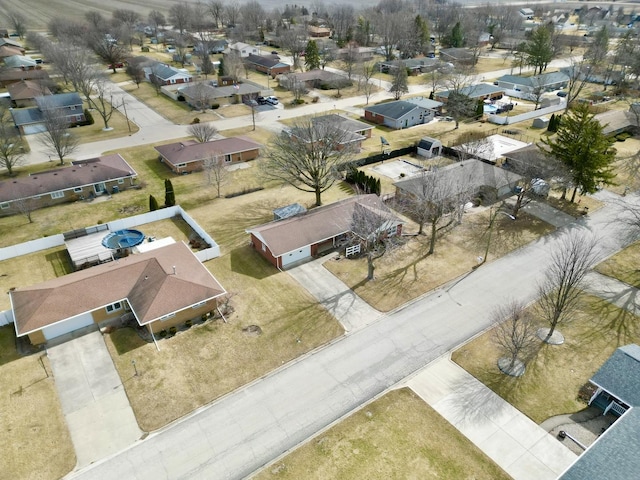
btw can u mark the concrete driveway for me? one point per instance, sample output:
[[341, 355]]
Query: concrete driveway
[[519, 446], [349, 309], [94, 403]]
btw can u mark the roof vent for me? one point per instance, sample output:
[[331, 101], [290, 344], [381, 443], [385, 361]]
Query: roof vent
[[174, 269]]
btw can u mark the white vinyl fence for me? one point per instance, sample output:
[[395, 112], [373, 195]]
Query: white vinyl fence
[[6, 317], [525, 116]]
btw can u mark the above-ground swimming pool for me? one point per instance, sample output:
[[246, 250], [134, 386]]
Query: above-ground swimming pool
[[126, 238]]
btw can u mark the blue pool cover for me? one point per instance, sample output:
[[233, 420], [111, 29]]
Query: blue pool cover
[[123, 239]]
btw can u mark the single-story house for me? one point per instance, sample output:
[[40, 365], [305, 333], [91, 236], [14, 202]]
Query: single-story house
[[214, 46], [466, 179], [480, 91], [7, 77], [593, 75], [242, 49], [270, 64], [189, 156], [403, 113], [166, 75], [4, 33], [531, 87], [461, 56], [414, 65], [316, 79], [490, 149], [24, 92], [229, 94], [30, 120], [319, 31], [618, 121], [526, 13], [21, 62], [9, 51], [356, 131], [81, 179], [161, 288], [10, 42], [614, 454], [361, 54], [297, 239]]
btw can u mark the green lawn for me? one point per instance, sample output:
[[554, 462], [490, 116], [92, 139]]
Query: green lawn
[[34, 437], [555, 374], [396, 437]]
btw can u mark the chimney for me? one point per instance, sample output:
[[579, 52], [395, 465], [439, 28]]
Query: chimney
[[174, 269]]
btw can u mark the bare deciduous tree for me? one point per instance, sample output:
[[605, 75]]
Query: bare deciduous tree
[[56, 137], [436, 198], [11, 148], [203, 132], [180, 16], [233, 65], [26, 206], [370, 227], [561, 288], [367, 71], [201, 96], [216, 172], [18, 22], [514, 333], [308, 156]]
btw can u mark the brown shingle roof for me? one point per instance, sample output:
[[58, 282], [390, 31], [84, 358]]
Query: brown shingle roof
[[26, 89], [147, 281], [190, 151], [319, 224], [78, 174], [11, 75], [10, 51]]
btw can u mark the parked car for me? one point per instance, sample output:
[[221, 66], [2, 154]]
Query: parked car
[[272, 100], [561, 94], [273, 52], [261, 100], [251, 103]]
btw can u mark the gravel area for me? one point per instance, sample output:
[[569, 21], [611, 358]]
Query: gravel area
[[585, 432]]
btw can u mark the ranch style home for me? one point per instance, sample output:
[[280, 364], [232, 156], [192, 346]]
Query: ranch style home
[[189, 156], [299, 238], [81, 180], [159, 289]]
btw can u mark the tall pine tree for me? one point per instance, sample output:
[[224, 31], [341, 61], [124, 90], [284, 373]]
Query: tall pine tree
[[584, 149], [169, 194]]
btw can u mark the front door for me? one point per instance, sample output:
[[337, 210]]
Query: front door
[[99, 188]]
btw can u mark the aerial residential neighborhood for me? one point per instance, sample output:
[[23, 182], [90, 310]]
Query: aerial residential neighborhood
[[368, 240]]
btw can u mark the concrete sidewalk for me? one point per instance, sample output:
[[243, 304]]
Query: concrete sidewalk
[[514, 442], [621, 294], [95, 405], [348, 308], [549, 214]]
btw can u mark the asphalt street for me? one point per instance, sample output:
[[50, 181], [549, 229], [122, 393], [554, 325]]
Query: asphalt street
[[246, 429]]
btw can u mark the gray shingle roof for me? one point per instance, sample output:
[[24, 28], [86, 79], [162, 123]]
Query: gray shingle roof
[[60, 100], [473, 91], [550, 78], [349, 124], [79, 174], [395, 110], [266, 61], [26, 116], [620, 374]]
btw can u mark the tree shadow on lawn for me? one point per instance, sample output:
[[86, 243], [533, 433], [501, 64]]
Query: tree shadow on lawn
[[609, 319]]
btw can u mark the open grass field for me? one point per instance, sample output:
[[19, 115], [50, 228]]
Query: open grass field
[[35, 441], [396, 437], [555, 374], [623, 265], [409, 271]]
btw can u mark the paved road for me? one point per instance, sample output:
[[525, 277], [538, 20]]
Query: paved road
[[248, 428]]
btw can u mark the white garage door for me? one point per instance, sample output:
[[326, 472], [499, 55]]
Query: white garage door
[[296, 255], [67, 326], [32, 129]]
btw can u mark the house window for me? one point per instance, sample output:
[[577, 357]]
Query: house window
[[392, 230], [198, 305], [227, 158], [77, 190], [181, 165], [4, 206], [57, 195], [79, 118], [72, 107], [167, 317], [173, 80], [113, 307], [120, 181]]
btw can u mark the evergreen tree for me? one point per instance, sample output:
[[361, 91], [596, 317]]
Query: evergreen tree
[[312, 56], [153, 203], [479, 109], [221, 68], [539, 49], [456, 39], [584, 149], [551, 124], [169, 194]]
